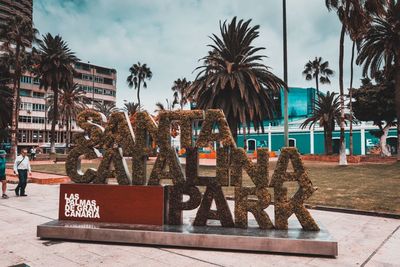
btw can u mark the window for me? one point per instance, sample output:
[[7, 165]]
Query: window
[[24, 118], [98, 91], [35, 136], [38, 95], [98, 79], [38, 120], [36, 81], [87, 89], [108, 81], [103, 71], [38, 107], [26, 79], [108, 92], [81, 66], [25, 106], [23, 136], [251, 144], [24, 92], [292, 142], [87, 77]]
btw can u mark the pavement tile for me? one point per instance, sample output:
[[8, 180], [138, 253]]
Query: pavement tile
[[389, 253], [359, 236]]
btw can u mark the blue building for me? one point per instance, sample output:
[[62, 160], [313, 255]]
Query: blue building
[[311, 141]]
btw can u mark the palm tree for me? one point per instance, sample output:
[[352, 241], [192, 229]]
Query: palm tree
[[17, 35], [326, 113], [352, 15], [55, 70], [234, 79], [131, 108], [345, 10], [319, 71], [139, 74], [381, 48], [106, 108], [180, 88], [71, 101]]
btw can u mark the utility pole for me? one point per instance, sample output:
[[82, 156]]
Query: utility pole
[[285, 78], [92, 69]]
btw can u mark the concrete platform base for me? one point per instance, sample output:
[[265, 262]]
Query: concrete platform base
[[294, 241]]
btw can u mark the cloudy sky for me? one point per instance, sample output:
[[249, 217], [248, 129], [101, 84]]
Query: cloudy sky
[[171, 35]]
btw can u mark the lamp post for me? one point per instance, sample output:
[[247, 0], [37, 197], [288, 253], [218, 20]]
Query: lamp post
[[92, 69], [285, 78]]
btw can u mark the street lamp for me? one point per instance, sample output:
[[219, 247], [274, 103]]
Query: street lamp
[[92, 68], [285, 78]]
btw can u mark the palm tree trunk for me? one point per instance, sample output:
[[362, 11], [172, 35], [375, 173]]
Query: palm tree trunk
[[316, 84], [138, 94], [15, 107], [67, 137], [14, 120], [329, 141], [233, 127], [342, 156], [181, 102], [397, 99], [54, 120], [325, 142], [351, 97]]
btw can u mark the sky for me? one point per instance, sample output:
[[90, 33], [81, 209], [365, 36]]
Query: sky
[[170, 36]]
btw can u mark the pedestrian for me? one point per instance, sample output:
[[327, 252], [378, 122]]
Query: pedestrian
[[3, 179], [33, 153], [22, 167]]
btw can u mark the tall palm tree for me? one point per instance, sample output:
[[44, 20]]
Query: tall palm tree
[[357, 26], [106, 108], [180, 88], [71, 101], [326, 113], [131, 108], [17, 35], [55, 70], [139, 74], [234, 79], [319, 71], [381, 48], [344, 10], [352, 16]]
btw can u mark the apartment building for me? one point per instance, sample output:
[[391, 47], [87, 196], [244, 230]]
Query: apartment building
[[98, 82]]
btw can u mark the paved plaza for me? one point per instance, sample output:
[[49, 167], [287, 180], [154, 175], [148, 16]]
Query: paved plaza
[[363, 241]]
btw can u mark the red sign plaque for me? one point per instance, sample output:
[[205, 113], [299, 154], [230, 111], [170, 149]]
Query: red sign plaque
[[112, 203]]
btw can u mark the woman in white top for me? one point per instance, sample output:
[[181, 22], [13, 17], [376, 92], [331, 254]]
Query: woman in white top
[[22, 167]]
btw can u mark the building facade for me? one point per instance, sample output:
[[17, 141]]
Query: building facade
[[311, 140], [98, 82]]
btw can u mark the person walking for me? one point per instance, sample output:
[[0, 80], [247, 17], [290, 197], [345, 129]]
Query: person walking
[[33, 153], [22, 167], [3, 179]]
